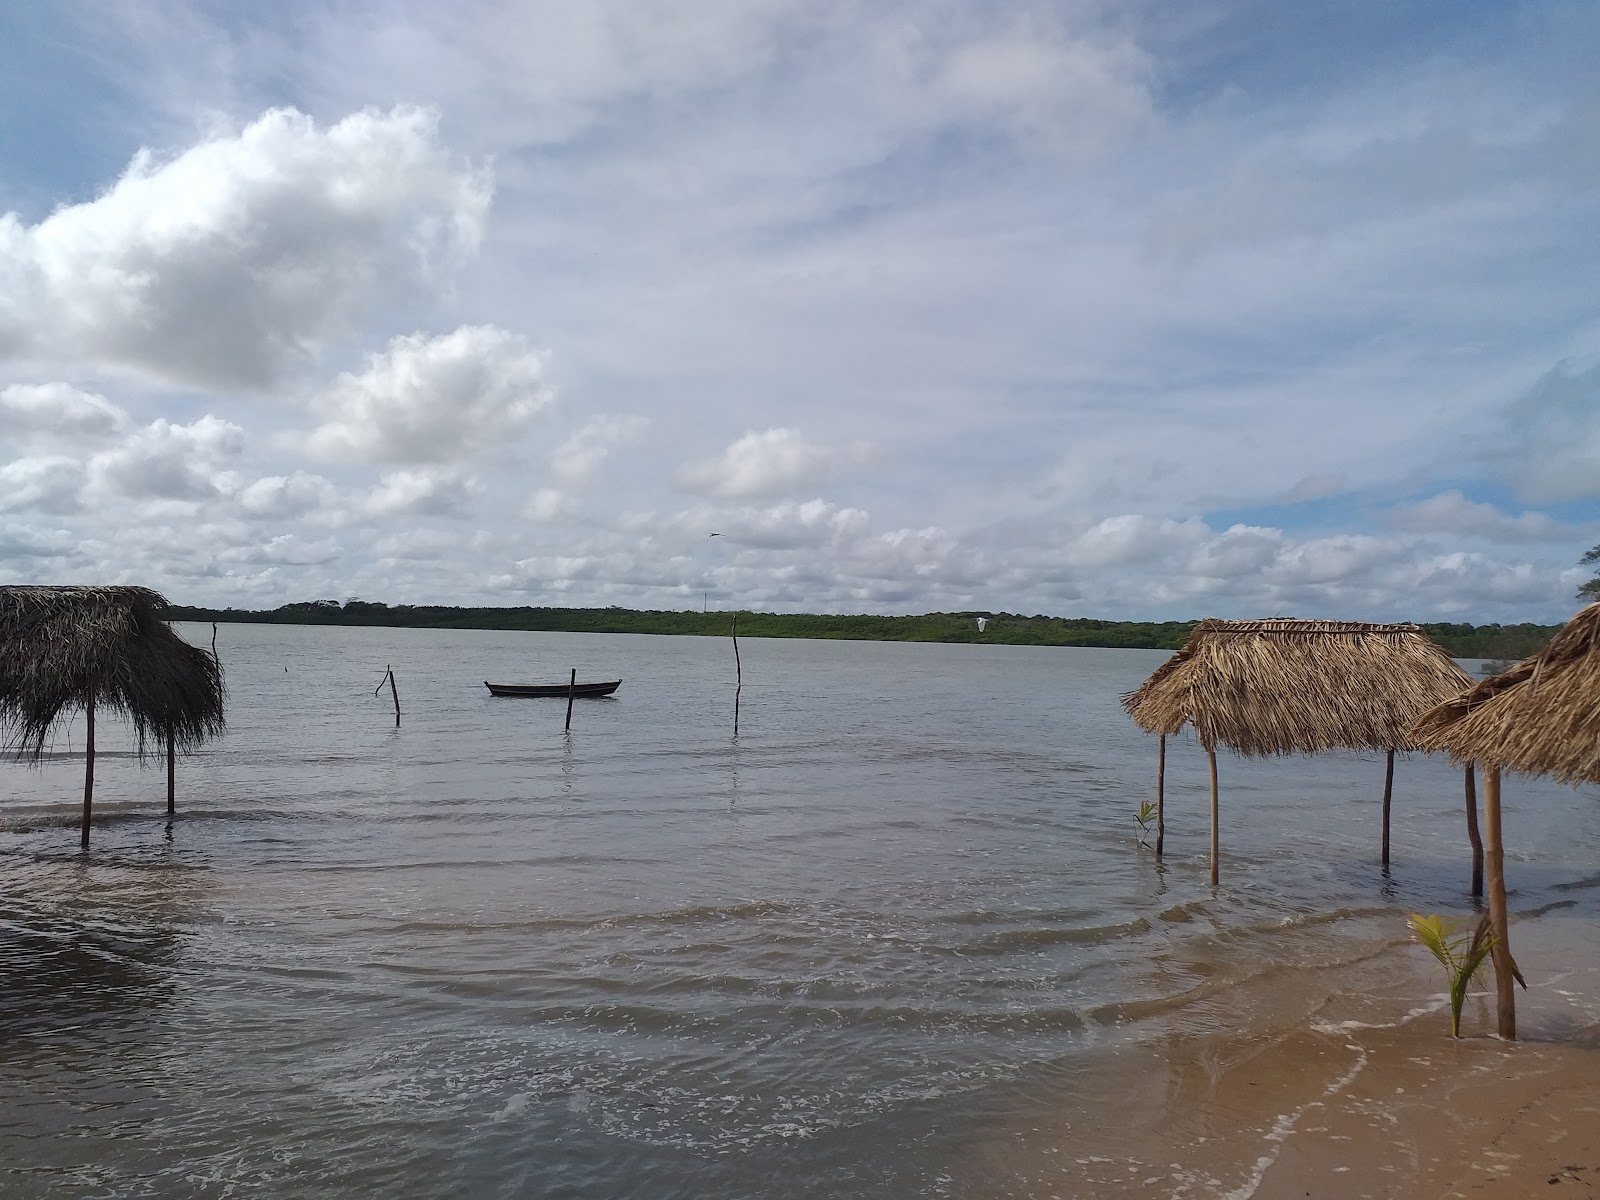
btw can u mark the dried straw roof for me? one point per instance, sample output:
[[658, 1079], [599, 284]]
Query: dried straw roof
[[1542, 717], [1297, 687], [58, 643]]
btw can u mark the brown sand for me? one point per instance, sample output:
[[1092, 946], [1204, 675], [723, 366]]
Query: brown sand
[[1369, 1097]]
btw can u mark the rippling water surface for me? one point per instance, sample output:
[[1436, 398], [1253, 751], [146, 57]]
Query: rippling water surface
[[477, 956]]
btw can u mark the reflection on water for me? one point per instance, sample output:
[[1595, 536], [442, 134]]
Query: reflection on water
[[482, 955]]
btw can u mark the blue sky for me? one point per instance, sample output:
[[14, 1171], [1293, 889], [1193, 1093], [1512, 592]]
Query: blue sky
[[1123, 309]]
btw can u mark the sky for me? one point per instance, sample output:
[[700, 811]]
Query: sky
[[1142, 309]]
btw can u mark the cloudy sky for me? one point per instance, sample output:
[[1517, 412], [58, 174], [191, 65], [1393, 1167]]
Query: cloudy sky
[[1143, 308]]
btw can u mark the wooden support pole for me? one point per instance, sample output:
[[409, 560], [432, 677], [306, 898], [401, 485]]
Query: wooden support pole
[[1211, 754], [1506, 997], [172, 773], [388, 677], [738, 672], [1473, 835], [1161, 795], [88, 767], [572, 690], [1388, 791]]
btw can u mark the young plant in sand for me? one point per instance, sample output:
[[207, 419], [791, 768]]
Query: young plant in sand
[[1146, 811], [1459, 957]]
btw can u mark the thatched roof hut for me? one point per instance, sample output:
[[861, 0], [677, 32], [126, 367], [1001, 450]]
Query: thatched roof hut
[[1282, 686], [64, 649], [1279, 686], [1542, 717]]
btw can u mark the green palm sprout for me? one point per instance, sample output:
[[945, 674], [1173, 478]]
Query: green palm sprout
[[1146, 811], [1459, 957]]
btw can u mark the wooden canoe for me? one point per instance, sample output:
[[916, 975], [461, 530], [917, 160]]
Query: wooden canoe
[[552, 689]]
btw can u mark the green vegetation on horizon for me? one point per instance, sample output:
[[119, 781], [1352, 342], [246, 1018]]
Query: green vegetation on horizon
[[1463, 641]]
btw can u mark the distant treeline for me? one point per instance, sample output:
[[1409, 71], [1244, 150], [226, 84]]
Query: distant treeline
[[1463, 641]]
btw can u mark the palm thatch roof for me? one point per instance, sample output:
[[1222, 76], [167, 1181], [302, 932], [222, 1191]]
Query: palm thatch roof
[[1542, 717], [1282, 686], [60, 647]]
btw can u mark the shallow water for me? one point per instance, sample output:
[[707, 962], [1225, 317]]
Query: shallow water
[[478, 956]]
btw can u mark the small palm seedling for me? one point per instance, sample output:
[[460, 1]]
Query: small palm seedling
[[1459, 957], [1146, 811]]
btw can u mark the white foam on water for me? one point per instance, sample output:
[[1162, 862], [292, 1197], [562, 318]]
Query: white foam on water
[[1284, 1126]]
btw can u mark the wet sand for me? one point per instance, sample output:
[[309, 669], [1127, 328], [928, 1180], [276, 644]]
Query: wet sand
[[1367, 1096]]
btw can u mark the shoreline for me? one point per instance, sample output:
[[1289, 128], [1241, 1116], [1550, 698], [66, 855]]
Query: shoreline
[[1370, 1099]]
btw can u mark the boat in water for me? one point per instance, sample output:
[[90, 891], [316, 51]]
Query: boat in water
[[553, 689]]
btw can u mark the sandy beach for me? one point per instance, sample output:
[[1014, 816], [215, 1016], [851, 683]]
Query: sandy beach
[[1365, 1096]]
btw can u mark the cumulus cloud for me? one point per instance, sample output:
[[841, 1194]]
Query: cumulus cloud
[[549, 504], [227, 264], [49, 484], [1451, 512], [1555, 437], [169, 462], [286, 496], [433, 399], [766, 462], [60, 411], [576, 459], [425, 491]]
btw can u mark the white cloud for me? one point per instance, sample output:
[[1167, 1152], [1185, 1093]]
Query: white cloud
[[1451, 512], [47, 484], [549, 504], [1555, 437], [433, 399], [285, 549], [169, 462], [581, 455], [58, 410], [229, 263], [767, 462], [425, 491], [287, 496]]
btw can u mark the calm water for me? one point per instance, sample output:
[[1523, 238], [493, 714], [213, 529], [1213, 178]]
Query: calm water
[[475, 956]]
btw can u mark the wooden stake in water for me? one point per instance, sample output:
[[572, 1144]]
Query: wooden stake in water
[[1388, 791], [88, 766], [1473, 835], [1504, 967], [172, 773], [388, 677], [1161, 795], [738, 674], [572, 690], [1211, 754]]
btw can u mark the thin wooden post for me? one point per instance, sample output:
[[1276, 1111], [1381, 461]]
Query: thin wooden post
[[738, 674], [1473, 835], [572, 690], [88, 767], [172, 773], [1211, 754], [1506, 999], [388, 677], [1161, 794], [1388, 791]]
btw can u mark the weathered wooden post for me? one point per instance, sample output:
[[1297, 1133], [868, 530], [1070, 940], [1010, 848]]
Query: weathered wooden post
[[1161, 794], [1473, 835], [172, 772], [1211, 754], [1504, 967], [572, 690], [738, 674], [88, 766], [388, 677], [1388, 791]]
